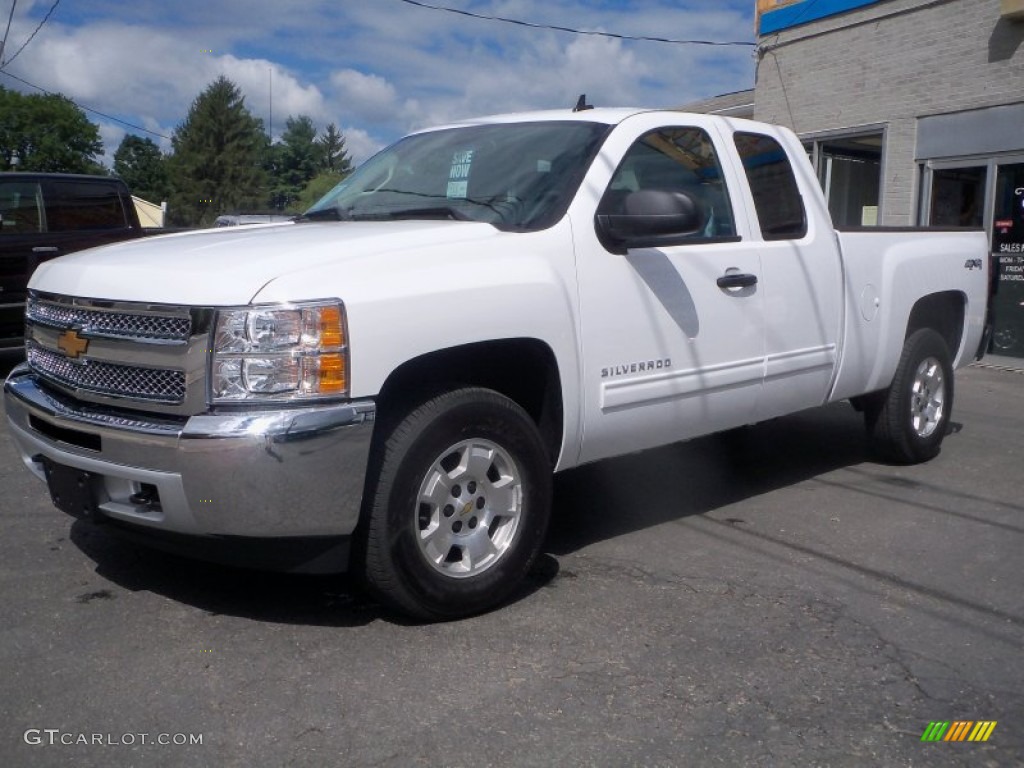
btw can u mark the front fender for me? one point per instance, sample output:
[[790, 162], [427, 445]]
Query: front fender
[[406, 304]]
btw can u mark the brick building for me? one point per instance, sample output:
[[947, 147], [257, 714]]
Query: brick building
[[913, 113]]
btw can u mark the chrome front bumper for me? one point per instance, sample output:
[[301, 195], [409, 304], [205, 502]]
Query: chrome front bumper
[[295, 472]]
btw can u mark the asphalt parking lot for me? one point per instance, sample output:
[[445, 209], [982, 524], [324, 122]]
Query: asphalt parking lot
[[769, 598]]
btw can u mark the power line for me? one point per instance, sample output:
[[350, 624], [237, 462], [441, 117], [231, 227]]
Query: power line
[[10, 18], [35, 31], [87, 109], [556, 28]]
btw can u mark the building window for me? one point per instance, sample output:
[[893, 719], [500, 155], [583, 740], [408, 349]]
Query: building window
[[958, 197], [849, 170]]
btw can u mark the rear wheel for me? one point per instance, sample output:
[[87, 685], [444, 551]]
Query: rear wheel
[[460, 506], [907, 422]]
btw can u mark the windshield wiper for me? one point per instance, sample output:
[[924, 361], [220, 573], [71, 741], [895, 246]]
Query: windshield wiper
[[425, 212], [322, 214]]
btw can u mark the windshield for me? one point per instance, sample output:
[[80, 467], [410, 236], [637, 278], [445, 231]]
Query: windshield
[[516, 176]]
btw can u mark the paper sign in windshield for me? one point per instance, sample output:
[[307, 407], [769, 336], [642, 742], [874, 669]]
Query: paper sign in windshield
[[458, 177]]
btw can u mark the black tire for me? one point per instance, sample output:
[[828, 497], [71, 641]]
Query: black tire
[[907, 422], [450, 552]]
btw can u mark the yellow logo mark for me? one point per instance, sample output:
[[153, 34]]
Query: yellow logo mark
[[959, 730], [71, 344], [468, 508]]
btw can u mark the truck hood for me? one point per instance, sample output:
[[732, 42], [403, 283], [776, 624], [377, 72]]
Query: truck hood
[[229, 266]]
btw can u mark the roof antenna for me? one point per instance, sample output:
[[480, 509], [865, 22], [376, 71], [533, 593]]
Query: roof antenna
[[581, 104]]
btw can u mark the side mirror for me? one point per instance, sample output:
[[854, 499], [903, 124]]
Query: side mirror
[[651, 218]]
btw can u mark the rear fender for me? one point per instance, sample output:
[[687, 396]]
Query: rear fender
[[897, 282]]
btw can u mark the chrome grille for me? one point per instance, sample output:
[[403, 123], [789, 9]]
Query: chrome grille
[[159, 385], [122, 325]]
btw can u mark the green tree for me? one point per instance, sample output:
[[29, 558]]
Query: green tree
[[143, 167], [217, 162], [317, 187], [293, 161], [333, 156], [47, 133]]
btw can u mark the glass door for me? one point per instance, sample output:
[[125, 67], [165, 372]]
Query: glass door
[[1008, 260], [958, 197]]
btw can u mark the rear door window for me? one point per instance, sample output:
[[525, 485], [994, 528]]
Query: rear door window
[[21, 208], [777, 200], [78, 205]]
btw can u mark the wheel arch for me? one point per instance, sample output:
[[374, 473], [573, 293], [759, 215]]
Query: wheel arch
[[943, 312], [523, 369]]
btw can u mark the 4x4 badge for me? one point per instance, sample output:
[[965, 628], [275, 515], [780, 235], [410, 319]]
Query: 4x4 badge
[[71, 344]]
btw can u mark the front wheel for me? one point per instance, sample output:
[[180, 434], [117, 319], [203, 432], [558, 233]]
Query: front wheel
[[907, 422], [460, 507]]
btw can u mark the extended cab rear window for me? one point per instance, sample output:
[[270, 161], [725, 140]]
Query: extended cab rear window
[[82, 205], [777, 200]]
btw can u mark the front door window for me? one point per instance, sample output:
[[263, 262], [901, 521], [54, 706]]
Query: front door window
[[21, 208]]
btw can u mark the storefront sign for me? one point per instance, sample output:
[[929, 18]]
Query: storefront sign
[[1011, 269]]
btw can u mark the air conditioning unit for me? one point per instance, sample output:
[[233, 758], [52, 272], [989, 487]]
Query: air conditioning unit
[[1013, 9]]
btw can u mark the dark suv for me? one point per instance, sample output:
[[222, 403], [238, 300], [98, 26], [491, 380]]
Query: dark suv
[[44, 215]]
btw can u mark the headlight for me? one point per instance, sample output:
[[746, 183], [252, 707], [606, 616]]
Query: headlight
[[276, 353]]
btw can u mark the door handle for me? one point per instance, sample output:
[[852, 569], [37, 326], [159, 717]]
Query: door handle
[[737, 280], [45, 249]]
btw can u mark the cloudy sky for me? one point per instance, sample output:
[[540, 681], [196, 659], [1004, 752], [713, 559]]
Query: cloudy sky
[[376, 68]]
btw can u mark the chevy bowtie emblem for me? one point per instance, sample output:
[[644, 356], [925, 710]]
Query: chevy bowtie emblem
[[71, 344]]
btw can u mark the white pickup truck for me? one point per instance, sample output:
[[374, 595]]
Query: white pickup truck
[[388, 382]]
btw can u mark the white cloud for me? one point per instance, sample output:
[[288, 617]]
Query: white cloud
[[111, 135], [600, 64], [267, 85], [359, 144], [366, 95], [113, 66]]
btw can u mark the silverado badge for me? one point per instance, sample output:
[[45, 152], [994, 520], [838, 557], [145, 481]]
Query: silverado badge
[[71, 344]]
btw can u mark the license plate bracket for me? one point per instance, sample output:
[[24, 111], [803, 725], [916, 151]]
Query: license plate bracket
[[72, 490]]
